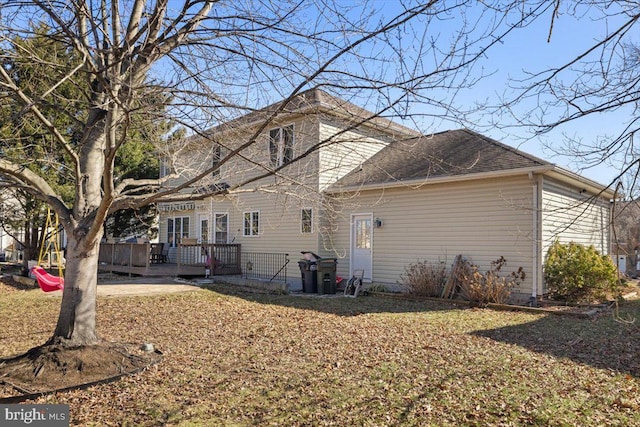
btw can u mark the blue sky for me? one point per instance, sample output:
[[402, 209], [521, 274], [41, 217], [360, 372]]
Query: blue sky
[[528, 50], [524, 50]]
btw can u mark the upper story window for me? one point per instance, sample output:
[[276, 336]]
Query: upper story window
[[281, 145], [165, 167], [217, 156], [306, 221]]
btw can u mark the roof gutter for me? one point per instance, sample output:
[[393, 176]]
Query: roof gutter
[[589, 185], [549, 170], [444, 179]]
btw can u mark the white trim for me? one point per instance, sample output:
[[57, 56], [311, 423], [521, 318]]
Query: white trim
[[312, 220], [259, 232], [551, 170], [534, 228], [281, 145], [178, 237], [440, 179], [214, 224], [201, 217], [369, 270]]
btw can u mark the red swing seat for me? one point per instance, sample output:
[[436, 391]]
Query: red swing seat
[[47, 282]]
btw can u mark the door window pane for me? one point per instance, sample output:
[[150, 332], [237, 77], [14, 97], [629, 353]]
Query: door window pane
[[204, 230], [363, 234]]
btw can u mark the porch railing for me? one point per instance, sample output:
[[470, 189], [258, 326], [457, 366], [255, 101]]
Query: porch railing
[[268, 266]]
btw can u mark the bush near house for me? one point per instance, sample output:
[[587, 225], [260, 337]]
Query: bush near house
[[489, 287], [577, 273], [425, 278]]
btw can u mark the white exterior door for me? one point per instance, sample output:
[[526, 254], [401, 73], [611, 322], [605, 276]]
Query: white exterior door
[[203, 228], [361, 244]]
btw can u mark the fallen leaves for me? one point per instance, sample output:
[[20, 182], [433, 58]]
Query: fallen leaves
[[235, 358]]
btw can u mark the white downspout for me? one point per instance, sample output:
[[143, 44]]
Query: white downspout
[[534, 241]]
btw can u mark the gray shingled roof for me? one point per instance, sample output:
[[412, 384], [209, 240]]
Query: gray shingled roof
[[446, 154], [313, 101]]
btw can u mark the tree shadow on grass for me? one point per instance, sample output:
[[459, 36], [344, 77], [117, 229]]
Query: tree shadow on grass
[[9, 284], [337, 304], [609, 341]]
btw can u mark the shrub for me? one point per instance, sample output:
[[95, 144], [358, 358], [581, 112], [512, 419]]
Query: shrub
[[377, 288], [577, 273], [425, 278], [490, 287]]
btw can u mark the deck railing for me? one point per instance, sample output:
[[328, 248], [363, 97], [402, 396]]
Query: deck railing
[[268, 266], [224, 257], [125, 254], [190, 258]]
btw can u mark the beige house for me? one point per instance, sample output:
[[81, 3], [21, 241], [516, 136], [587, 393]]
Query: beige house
[[378, 196]]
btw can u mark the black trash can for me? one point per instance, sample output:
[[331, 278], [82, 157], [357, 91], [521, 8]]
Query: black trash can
[[309, 276], [327, 275]]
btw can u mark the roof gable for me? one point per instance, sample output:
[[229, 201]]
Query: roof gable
[[441, 155], [313, 102]]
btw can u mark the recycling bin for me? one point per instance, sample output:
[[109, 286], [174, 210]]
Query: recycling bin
[[326, 275]]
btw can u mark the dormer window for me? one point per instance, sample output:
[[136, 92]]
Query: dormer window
[[281, 145]]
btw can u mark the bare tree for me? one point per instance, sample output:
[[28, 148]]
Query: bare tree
[[208, 62], [601, 78]]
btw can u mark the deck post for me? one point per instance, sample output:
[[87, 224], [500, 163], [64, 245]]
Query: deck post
[[130, 257], [113, 256], [178, 261]]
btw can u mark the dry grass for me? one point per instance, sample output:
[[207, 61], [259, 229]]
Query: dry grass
[[238, 359]]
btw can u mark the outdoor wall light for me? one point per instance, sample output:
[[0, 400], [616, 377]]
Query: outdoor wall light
[[378, 223]]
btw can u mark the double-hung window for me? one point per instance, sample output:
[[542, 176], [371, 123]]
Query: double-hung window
[[281, 145], [251, 223], [306, 221], [217, 156], [165, 167], [221, 227]]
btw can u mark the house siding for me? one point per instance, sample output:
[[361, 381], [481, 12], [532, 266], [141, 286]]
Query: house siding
[[257, 163], [279, 199], [461, 211], [344, 153], [280, 218], [571, 216], [482, 220]]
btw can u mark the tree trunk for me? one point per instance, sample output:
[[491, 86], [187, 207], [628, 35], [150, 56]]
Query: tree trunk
[[77, 319], [29, 247]]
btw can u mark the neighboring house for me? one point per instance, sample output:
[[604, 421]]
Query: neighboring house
[[378, 196], [10, 248], [625, 246]]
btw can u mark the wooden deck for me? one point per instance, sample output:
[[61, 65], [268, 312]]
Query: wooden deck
[[167, 269], [183, 260]]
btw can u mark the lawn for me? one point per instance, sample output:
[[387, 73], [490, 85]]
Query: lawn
[[242, 359]]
